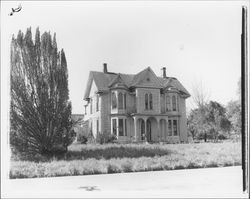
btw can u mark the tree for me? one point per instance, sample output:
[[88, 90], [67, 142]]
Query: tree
[[234, 116], [200, 99], [217, 120], [40, 112], [208, 122]]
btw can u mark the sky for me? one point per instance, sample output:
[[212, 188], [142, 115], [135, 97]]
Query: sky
[[197, 42]]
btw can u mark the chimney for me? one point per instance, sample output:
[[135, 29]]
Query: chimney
[[105, 69], [164, 72]]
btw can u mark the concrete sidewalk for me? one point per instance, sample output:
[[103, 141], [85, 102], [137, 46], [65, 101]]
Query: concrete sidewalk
[[213, 182]]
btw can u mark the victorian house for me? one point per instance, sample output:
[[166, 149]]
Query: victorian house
[[139, 107]]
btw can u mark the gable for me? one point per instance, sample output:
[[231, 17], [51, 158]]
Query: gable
[[172, 83], [118, 82], [93, 89], [146, 78]]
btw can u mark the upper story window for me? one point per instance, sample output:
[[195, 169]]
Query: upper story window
[[125, 100], [168, 104], [114, 100], [148, 101], [97, 102], [120, 101], [171, 102], [91, 106], [174, 103]]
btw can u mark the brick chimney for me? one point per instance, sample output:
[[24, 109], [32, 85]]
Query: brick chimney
[[164, 72], [105, 68]]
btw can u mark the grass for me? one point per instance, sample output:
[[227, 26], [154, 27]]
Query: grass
[[114, 158]]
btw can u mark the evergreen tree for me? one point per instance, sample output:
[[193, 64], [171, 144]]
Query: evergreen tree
[[40, 113]]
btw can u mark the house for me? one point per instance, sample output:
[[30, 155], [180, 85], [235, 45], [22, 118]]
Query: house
[[139, 107]]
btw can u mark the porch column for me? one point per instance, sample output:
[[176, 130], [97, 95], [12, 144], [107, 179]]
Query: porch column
[[135, 126]]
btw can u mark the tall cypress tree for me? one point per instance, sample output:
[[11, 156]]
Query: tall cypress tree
[[40, 107]]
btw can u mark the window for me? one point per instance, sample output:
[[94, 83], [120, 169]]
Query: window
[[125, 101], [170, 127], [114, 100], [91, 108], [85, 110], [91, 128], [120, 101], [121, 133], [175, 127], [174, 103], [150, 101], [146, 101], [114, 126], [125, 124], [97, 126], [168, 104], [97, 102]]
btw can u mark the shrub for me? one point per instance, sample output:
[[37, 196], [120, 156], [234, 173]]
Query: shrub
[[40, 110], [222, 137], [83, 139], [104, 138]]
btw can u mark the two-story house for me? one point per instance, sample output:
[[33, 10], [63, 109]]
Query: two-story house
[[140, 107]]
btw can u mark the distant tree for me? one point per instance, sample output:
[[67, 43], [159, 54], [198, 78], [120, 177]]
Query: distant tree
[[40, 113], [200, 98], [208, 122], [217, 120], [234, 116]]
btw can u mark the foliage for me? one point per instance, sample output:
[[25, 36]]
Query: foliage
[[208, 121], [177, 156], [104, 138], [40, 112], [234, 116], [83, 139]]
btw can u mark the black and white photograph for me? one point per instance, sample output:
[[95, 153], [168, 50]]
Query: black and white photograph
[[124, 99]]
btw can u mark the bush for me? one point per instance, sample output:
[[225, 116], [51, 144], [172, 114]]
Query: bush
[[40, 110], [222, 137], [104, 138], [83, 139]]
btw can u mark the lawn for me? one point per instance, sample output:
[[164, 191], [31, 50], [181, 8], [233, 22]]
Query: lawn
[[115, 158]]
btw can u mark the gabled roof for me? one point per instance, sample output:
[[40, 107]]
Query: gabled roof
[[118, 80], [104, 81], [173, 82], [140, 78]]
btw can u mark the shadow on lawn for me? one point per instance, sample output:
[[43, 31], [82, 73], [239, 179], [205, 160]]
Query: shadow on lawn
[[90, 188], [115, 152]]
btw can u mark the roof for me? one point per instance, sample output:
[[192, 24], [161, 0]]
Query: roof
[[104, 81]]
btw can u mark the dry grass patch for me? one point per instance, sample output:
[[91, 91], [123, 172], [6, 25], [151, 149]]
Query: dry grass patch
[[131, 158]]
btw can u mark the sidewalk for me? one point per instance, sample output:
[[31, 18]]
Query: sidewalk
[[213, 182]]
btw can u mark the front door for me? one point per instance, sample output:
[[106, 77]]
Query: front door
[[149, 131], [142, 130]]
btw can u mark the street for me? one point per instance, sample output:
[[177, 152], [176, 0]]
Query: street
[[211, 182]]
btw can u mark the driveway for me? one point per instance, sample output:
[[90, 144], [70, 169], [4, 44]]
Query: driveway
[[213, 182]]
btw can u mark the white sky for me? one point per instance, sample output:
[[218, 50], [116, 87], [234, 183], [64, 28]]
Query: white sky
[[196, 41]]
